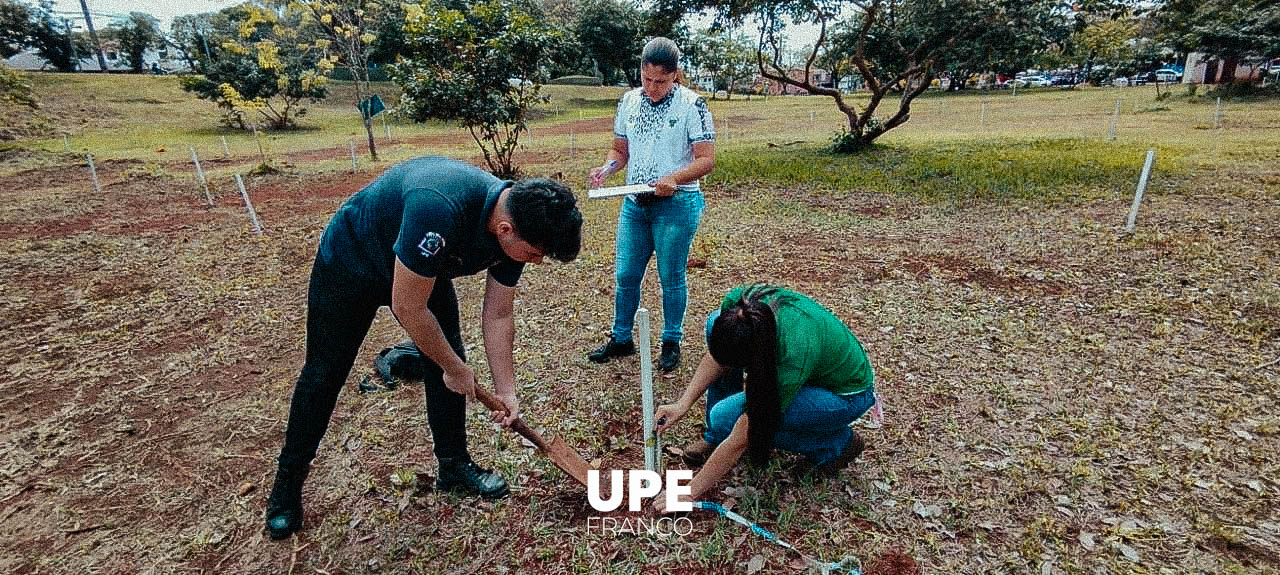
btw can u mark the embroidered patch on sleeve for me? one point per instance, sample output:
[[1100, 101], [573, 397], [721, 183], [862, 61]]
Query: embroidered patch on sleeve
[[430, 244]]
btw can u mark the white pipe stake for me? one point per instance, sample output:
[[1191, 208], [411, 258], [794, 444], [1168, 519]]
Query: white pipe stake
[[982, 119], [1217, 114], [1142, 187], [200, 172], [93, 171], [253, 215], [386, 127], [352, 145], [226, 152], [259, 141], [1111, 132], [646, 389]]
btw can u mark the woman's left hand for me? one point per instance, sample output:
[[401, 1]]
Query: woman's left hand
[[665, 186]]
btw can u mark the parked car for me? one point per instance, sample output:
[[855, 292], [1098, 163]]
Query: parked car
[[1168, 75], [1033, 82], [1063, 80]]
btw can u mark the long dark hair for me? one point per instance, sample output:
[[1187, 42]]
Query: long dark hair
[[745, 336]]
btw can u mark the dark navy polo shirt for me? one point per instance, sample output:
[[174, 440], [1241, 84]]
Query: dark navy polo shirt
[[431, 212]]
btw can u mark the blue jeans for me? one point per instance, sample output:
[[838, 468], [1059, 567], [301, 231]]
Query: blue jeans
[[815, 425], [664, 227]]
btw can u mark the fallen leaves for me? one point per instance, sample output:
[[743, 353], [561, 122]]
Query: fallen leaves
[[926, 511]]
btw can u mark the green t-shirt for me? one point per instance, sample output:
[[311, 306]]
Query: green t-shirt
[[814, 347]]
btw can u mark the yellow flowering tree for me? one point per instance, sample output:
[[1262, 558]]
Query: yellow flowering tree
[[264, 67], [346, 30]]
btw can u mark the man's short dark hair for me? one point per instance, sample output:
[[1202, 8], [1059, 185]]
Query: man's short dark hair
[[545, 214], [663, 53]]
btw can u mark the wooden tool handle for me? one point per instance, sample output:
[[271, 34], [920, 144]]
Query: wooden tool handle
[[492, 402]]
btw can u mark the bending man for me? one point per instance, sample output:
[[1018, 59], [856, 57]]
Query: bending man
[[399, 242]]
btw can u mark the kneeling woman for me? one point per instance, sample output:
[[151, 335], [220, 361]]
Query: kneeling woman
[[807, 379]]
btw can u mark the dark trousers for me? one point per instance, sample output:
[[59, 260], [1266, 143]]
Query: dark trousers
[[340, 310]]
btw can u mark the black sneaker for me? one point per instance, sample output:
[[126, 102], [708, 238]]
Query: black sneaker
[[670, 358], [284, 507], [612, 349], [461, 474]]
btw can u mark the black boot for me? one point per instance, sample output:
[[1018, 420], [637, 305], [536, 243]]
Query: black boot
[[461, 474], [612, 349], [670, 358], [284, 507]]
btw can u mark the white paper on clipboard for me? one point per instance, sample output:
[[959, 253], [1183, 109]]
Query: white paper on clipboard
[[619, 191]]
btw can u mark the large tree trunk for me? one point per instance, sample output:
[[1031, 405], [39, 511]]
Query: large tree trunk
[[1229, 66]]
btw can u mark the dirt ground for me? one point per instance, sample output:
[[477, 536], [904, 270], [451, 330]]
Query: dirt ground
[[1060, 397]]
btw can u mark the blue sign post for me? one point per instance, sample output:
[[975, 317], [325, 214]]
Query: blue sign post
[[371, 106]]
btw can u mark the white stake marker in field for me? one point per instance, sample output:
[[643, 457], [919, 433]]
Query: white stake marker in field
[[259, 141], [1111, 132], [386, 127], [1217, 114], [1142, 187], [93, 171], [351, 144], [253, 215], [200, 172], [646, 389], [982, 118], [226, 152]]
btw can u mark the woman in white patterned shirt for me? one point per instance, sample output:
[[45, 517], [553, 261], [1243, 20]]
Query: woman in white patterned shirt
[[664, 136]]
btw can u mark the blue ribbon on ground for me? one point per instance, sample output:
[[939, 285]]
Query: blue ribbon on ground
[[852, 564]]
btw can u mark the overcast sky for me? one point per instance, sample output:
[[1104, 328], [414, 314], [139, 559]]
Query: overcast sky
[[103, 12]]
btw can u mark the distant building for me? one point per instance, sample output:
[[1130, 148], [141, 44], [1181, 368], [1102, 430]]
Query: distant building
[[30, 60], [817, 76], [1201, 69]]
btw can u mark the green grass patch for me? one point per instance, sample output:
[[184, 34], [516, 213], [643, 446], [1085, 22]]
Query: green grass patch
[[1038, 168]]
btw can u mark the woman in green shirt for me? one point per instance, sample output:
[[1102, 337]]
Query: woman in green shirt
[[806, 379]]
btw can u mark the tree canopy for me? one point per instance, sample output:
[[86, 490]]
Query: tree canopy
[[896, 46], [611, 33], [1233, 30], [137, 33], [478, 64], [263, 65]]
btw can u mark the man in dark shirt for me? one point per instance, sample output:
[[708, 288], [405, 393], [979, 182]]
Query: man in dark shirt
[[399, 242]]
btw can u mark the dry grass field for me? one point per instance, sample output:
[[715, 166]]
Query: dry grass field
[[1060, 396]]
